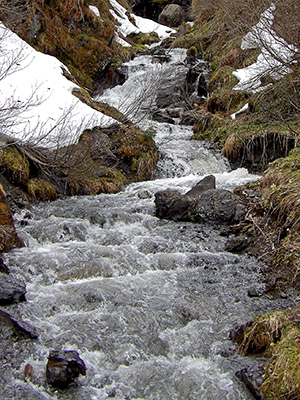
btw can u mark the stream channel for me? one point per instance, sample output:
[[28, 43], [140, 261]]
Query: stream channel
[[147, 303]]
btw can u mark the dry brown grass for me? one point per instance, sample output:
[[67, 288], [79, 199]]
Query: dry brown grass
[[278, 335]]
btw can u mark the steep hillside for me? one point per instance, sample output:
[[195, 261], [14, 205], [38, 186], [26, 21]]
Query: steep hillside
[[82, 34]]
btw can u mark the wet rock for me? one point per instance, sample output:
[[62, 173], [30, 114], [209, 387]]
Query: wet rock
[[169, 94], [207, 183], [202, 90], [12, 290], [3, 268], [63, 367], [255, 292], [160, 116], [14, 328], [196, 79], [219, 205], [200, 204], [145, 194], [172, 15], [120, 75], [237, 244], [252, 379], [171, 204], [160, 56]]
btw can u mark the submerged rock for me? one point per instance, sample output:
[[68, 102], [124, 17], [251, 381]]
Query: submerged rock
[[63, 367], [14, 328], [12, 290]]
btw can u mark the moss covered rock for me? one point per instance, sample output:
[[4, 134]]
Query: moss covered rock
[[41, 190], [73, 33], [14, 164]]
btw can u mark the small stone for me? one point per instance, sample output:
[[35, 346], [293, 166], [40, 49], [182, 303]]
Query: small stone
[[3, 268], [144, 194], [63, 367], [254, 292], [28, 372]]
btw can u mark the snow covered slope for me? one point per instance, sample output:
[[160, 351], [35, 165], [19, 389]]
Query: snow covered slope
[[36, 99]]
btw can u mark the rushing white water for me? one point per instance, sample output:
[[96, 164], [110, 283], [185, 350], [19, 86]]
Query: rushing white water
[[147, 303]]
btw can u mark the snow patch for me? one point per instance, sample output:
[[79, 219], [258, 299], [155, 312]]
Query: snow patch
[[142, 25], [275, 54], [95, 10], [240, 111], [42, 107]]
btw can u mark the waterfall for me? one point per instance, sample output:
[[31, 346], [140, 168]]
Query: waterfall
[[147, 303]]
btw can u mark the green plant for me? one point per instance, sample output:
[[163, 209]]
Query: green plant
[[150, 133]]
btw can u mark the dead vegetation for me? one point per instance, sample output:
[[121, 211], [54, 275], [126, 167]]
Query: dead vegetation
[[276, 334]]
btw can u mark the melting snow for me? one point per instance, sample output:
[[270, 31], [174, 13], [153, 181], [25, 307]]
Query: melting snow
[[143, 25], [41, 106], [243, 109], [95, 10], [275, 54]]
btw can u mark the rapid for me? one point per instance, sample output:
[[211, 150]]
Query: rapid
[[147, 303]]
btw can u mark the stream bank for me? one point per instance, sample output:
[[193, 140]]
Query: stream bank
[[146, 303]]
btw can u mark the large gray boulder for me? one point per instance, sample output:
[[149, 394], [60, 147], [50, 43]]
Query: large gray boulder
[[203, 203], [173, 205], [207, 183], [172, 15], [219, 205]]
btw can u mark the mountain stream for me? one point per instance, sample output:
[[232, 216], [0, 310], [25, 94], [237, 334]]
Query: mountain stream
[[147, 303]]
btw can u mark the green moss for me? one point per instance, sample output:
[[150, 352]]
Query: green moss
[[117, 175], [41, 190], [143, 38], [192, 51], [138, 47], [226, 101], [14, 164], [222, 78]]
